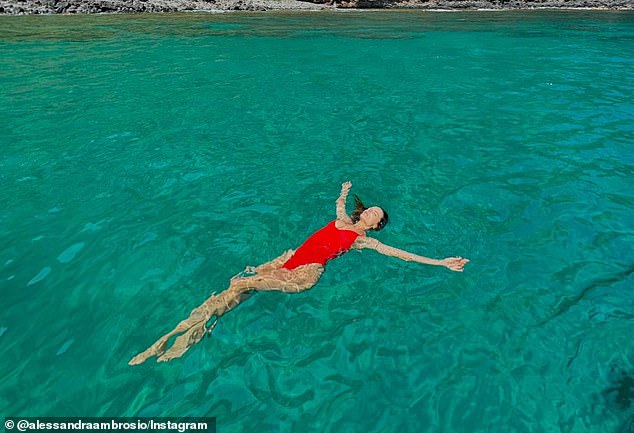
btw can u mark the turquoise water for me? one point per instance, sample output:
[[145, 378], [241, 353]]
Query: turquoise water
[[145, 160]]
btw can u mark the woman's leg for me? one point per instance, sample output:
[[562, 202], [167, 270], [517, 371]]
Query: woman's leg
[[284, 280], [279, 279], [194, 327]]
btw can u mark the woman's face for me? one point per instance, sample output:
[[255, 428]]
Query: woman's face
[[371, 216]]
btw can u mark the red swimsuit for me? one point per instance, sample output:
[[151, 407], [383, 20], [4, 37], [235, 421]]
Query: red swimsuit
[[325, 244]]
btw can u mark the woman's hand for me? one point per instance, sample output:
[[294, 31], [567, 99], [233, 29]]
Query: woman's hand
[[342, 215], [454, 263], [345, 187]]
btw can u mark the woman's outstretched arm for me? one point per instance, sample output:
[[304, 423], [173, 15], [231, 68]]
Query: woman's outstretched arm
[[454, 263], [341, 203]]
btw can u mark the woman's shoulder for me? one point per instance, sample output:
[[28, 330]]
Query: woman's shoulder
[[364, 241], [343, 225]]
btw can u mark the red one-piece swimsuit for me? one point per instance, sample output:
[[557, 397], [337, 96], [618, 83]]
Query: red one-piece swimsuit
[[323, 245]]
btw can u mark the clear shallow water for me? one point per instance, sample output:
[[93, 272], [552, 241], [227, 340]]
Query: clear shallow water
[[146, 159]]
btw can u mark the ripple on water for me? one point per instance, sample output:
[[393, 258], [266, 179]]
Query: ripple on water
[[69, 253], [65, 346], [40, 276], [190, 177]]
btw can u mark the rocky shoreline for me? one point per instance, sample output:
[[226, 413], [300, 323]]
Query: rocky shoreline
[[34, 7]]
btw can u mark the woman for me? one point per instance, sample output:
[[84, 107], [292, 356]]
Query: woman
[[292, 272]]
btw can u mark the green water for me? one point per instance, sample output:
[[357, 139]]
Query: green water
[[144, 160]]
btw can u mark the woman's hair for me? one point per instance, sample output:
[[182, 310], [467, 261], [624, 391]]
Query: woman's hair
[[359, 207]]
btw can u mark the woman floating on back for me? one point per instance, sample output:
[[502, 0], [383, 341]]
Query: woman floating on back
[[292, 272]]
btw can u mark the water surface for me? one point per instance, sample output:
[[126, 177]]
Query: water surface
[[144, 160]]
